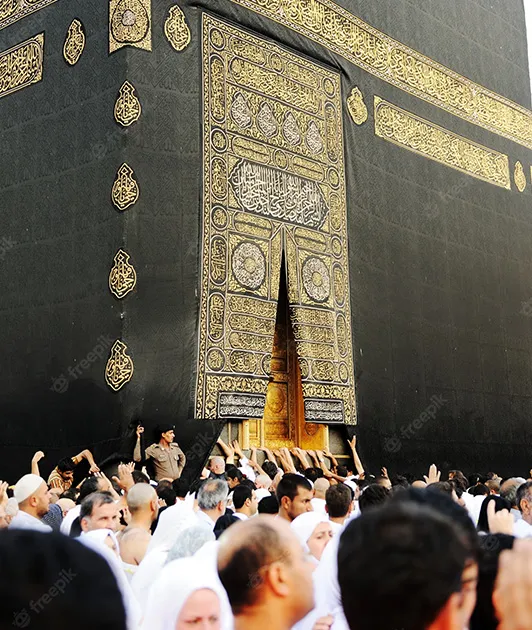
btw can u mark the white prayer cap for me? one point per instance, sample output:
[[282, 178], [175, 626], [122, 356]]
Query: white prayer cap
[[26, 486]]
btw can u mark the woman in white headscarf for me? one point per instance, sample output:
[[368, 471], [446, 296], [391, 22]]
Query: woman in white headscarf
[[104, 542], [172, 522], [314, 532], [187, 594]]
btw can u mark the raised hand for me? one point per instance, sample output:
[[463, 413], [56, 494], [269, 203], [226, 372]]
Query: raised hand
[[384, 472], [501, 522], [434, 475], [37, 457], [139, 431], [125, 479], [353, 442]]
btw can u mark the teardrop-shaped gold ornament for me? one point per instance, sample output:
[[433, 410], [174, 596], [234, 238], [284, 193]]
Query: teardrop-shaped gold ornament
[[176, 29], [123, 277], [519, 177], [125, 189], [119, 368], [130, 24], [74, 43], [127, 107], [356, 107]]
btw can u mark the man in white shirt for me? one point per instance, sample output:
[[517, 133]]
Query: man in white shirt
[[212, 501], [321, 485], [338, 505], [31, 493], [523, 527]]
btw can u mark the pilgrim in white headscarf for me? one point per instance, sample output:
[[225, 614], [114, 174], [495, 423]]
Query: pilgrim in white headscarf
[[105, 543], [187, 594], [314, 532], [172, 522]]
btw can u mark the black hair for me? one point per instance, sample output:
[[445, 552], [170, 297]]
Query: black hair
[[388, 554], [441, 486], [50, 579], [140, 477], [167, 494], [234, 473], [270, 469], [71, 494], [181, 487], [248, 483], [65, 465], [484, 617], [290, 484], [479, 490], [372, 496], [341, 470], [90, 485], [338, 498], [500, 504], [313, 473], [523, 492], [94, 500], [269, 505], [240, 495], [444, 504]]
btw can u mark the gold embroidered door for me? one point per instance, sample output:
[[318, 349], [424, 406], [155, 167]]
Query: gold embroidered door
[[283, 423]]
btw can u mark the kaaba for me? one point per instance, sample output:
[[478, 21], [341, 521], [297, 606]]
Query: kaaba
[[294, 219]]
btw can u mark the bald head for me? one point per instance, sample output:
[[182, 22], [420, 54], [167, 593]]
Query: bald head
[[246, 549], [263, 481], [140, 497], [419, 484], [217, 465], [321, 485]]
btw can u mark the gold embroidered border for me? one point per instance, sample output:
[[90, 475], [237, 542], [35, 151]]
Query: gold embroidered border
[[21, 65], [13, 10], [384, 57], [425, 138]]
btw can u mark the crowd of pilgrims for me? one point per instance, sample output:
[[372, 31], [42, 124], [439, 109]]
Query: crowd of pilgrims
[[298, 541]]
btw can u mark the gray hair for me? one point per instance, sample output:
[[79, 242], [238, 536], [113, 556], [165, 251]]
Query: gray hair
[[140, 496], [211, 493], [190, 541]]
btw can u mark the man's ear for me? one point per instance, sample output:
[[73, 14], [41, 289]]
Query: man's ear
[[33, 501], [449, 616], [84, 524], [326, 508], [220, 507], [276, 578], [285, 502]]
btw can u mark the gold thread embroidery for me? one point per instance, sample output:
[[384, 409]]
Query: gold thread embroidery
[[119, 368], [130, 24], [127, 107], [176, 29], [519, 177], [123, 277], [74, 43], [14, 10], [21, 65], [384, 57], [416, 134], [356, 107], [274, 182], [125, 189]]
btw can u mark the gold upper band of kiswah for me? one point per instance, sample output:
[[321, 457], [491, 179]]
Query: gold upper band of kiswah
[[436, 143], [384, 57], [13, 10]]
